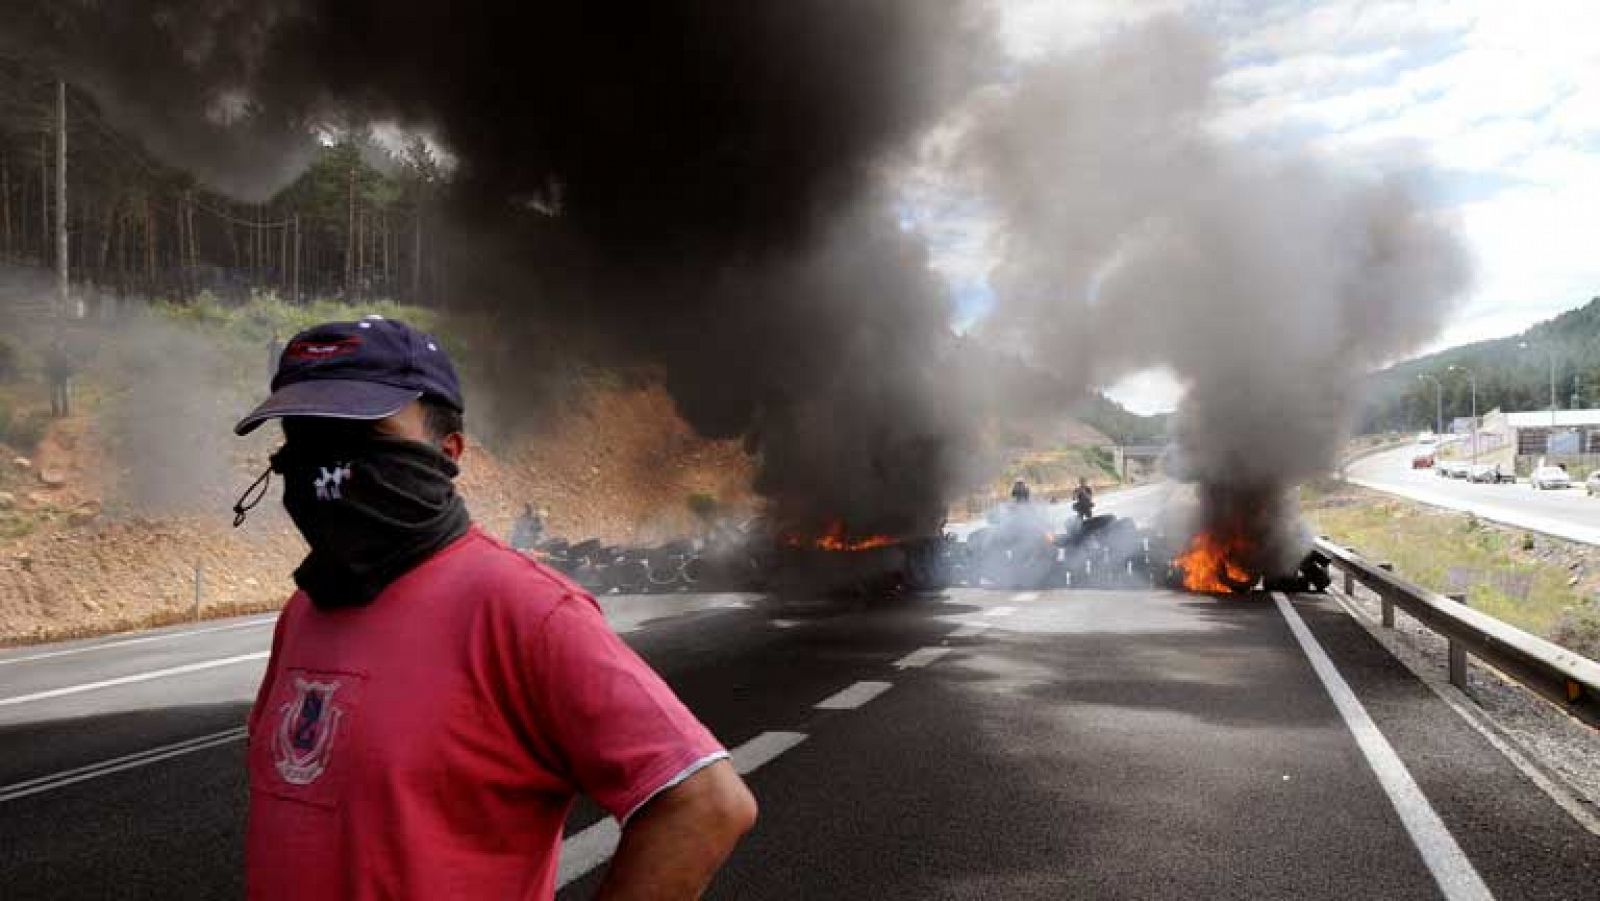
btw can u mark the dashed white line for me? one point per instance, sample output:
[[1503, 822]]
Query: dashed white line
[[970, 630], [592, 847], [136, 677], [586, 850], [117, 764], [854, 696], [920, 658], [1000, 611], [122, 643], [1026, 596], [764, 748], [1457, 878]]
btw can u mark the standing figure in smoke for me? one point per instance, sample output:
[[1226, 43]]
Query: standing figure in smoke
[[1083, 500]]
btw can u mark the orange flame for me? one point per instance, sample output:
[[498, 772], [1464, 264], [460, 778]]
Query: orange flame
[[836, 538], [1211, 557]]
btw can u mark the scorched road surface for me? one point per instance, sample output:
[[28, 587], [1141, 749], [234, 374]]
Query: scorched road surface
[[972, 745]]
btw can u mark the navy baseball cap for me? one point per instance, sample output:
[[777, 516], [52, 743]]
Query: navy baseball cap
[[357, 370]]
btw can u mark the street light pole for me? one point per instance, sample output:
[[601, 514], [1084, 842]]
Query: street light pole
[[1438, 404], [1472, 382]]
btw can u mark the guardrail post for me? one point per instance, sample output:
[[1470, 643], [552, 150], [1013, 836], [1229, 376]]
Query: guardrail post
[[1388, 602], [1458, 653], [1349, 582], [199, 577]]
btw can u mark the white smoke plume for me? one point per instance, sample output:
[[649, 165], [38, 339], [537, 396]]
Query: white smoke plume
[[1131, 236]]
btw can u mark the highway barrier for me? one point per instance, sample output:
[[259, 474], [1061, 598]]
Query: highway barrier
[[1566, 678]]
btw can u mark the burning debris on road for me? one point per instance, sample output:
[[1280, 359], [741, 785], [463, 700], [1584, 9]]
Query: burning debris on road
[[1019, 547]]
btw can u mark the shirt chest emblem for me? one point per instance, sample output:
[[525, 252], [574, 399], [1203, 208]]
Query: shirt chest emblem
[[308, 726]]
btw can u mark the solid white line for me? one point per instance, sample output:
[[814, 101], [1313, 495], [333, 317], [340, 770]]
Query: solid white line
[[1480, 722], [168, 636], [1457, 878], [117, 764], [1000, 611], [920, 657], [594, 846], [970, 630], [136, 677], [854, 696], [1026, 596]]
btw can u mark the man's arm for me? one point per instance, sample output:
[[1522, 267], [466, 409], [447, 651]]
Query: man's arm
[[672, 846]]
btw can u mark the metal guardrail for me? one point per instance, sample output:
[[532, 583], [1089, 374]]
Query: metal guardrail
[[1566, 678]]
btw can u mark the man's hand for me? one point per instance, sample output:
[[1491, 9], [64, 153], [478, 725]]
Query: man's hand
[[671, 848]]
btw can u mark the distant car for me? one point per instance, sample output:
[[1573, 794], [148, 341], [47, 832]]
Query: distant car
[[1550, 477], [1591, 485], [1427, 438], [1456, 469], [1422, 461], [1482, 472]]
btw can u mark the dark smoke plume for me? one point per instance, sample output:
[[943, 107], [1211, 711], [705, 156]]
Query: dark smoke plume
[[694, 185]]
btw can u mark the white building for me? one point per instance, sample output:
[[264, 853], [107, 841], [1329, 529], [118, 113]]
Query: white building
[[1562, 436]]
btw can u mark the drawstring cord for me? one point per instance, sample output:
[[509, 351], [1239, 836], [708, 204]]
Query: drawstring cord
[[246, 503]]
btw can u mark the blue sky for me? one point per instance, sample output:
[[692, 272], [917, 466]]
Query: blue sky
[[1502, 99]]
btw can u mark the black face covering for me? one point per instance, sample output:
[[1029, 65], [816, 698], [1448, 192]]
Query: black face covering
[[371, 510]]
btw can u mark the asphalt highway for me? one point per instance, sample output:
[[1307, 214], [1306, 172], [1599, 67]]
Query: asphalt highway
[[972, 744], [1567, 513]]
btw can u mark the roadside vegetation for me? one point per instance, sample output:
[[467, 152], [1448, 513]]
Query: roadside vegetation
[[1540, 584]]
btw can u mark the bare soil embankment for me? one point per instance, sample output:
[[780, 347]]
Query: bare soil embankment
[[76, 561]]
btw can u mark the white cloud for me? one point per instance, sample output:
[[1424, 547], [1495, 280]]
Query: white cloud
[[1311, 74], [1148, 392]]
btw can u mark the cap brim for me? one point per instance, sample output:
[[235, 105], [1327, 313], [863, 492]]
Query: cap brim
[[330, 398]]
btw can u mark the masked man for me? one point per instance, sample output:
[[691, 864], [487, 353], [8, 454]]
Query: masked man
[[434, 701]]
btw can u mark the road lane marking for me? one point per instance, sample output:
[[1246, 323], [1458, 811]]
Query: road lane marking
[[1451, 869], [117, 764], [136, 677], [920, 658], [590, 848], [854, 696], [1026, 596], [167, 636], [763, 749], [586, 850], [1444, 691], [1000, 611], [970, 630]]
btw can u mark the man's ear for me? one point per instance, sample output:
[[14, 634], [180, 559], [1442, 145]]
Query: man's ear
[[454, 445]]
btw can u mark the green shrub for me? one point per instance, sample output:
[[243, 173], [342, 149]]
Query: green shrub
[[1579, 630]]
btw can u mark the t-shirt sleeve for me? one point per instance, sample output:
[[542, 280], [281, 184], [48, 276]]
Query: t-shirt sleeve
[[622, 733]]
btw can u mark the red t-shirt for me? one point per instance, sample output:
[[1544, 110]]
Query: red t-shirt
[[429, 744]]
